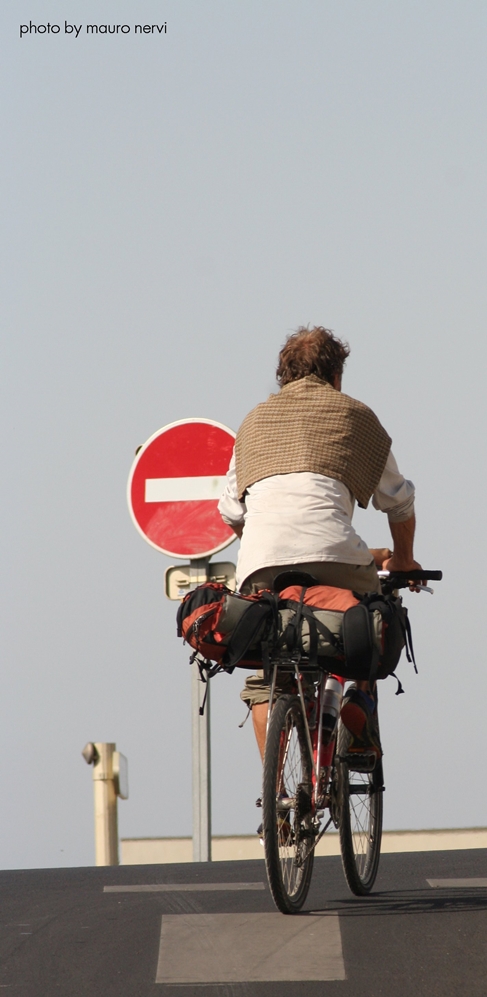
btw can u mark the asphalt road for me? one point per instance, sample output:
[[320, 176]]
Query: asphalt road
[[64, 934]]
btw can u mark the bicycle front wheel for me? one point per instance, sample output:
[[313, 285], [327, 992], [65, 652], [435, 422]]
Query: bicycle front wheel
[[360, 817], [287, 806]]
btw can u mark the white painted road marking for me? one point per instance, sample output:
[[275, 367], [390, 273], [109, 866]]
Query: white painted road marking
[[184, 489], [182, 887], [458, 884], [246, 948]]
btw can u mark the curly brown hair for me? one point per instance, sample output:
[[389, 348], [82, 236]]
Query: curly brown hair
[[311, 351]]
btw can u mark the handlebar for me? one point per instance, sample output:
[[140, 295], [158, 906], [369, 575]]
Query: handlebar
[[401, 579]]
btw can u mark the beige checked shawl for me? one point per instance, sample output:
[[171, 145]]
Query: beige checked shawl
[[309, 426]]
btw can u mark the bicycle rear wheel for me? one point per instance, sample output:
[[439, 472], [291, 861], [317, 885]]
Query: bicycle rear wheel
[[360, 817], [287, 806]]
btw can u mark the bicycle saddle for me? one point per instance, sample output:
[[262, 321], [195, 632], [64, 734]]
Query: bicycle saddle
[[286, 578]]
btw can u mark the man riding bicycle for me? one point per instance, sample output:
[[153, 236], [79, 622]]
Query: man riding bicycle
[[301, 461]]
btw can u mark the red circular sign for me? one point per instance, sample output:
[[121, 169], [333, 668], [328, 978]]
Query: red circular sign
[[175, 484]]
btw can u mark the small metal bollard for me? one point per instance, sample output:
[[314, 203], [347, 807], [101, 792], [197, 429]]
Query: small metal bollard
[[110, 779]]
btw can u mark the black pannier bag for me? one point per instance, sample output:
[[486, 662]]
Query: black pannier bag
[[374, 633]]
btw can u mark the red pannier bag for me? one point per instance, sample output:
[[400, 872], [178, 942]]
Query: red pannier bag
[[226, 627]]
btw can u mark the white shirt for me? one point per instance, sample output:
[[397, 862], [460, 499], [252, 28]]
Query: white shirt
[[293, 518]]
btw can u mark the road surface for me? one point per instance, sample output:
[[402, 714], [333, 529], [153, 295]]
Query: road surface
[[212, 930]]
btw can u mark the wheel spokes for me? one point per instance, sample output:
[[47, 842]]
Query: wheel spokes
[[290, 780], [362, 821]]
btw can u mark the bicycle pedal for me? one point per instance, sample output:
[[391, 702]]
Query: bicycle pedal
[[361, 761]]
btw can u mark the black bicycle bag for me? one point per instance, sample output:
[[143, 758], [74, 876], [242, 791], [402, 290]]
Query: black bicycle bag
[[374, 633]]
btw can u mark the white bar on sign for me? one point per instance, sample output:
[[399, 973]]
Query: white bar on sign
[[184, 489]]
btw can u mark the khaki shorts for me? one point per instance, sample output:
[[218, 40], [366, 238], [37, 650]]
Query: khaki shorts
[[256, 690], [360, 578]]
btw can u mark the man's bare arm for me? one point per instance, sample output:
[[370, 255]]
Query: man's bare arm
[[403, 537], [403, 543]]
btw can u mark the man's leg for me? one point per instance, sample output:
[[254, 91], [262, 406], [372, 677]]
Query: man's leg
[[364, 687], [359, 716], [255, 695], [259, 720]]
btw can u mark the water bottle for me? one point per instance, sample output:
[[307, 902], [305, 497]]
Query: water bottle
[[330, 707]]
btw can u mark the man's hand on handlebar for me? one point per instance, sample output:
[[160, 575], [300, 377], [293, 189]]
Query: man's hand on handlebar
[[395, 563]]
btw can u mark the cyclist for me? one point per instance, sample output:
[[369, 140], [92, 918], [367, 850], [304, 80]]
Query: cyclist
[[301, 461]]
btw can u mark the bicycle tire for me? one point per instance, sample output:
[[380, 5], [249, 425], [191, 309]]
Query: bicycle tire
[[287, 826], [360, 796]]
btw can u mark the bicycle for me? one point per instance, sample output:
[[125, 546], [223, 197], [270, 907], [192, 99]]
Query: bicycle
[[309, 785]]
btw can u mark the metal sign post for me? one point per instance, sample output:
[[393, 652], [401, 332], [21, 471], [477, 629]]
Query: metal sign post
[[200, 734], [178, 582], [201, 742], [173, 490]]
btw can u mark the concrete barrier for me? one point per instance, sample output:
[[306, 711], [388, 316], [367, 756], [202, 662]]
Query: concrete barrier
[[155, 851]]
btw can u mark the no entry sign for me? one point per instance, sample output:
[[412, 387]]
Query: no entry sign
[[174, 486]]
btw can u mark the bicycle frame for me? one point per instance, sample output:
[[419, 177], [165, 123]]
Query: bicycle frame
[[304, 777], [321, 755]]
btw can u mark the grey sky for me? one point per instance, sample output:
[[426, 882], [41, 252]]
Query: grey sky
[[173, 207]]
